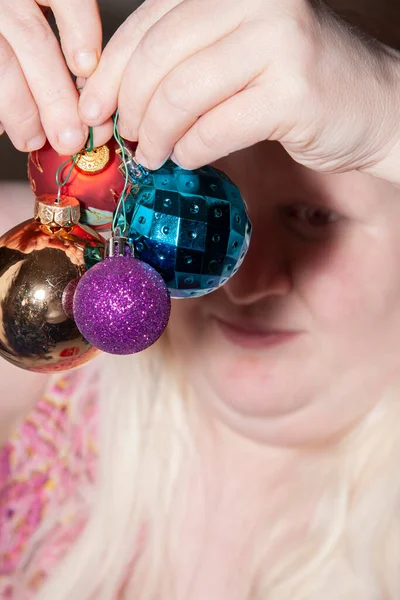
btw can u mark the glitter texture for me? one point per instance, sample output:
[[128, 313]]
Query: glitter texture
[[121, 305]]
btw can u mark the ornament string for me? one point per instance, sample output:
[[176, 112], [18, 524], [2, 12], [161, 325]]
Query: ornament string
[[60, 184], [89, 146], [120, 212], [121, 207], [73, 160]]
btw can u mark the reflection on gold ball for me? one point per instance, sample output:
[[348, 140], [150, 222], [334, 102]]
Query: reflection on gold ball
[[35, 268]]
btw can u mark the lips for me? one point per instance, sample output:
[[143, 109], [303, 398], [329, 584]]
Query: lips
[[252, 337]]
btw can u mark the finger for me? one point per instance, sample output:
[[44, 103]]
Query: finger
[[99, 101], [79, 24], [2, 129], [103, 133], [19, 115], [46, 73], [239, 122], [163, 48], [181, 98]]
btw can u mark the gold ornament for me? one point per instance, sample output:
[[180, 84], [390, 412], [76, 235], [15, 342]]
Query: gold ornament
[[64, 213], [95, 161], [38, 259]]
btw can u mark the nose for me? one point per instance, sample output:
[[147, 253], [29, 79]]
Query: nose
[[264, 272]]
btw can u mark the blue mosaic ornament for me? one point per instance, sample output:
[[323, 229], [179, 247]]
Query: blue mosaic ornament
[[191, 226]]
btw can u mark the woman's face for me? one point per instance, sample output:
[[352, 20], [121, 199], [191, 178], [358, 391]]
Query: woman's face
[[302, 341]]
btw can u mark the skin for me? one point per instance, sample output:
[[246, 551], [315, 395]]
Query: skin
[[304, 85], [322, 262], [38, 97], [308, 76], [319, 265], [333, 278], [314, 113]]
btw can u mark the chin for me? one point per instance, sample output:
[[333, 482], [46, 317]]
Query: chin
[[247, 387], [268, 379]]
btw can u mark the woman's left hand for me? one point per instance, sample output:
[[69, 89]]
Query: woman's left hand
[[203, 78]]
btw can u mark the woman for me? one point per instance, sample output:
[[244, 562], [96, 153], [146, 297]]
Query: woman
[[252, 453]]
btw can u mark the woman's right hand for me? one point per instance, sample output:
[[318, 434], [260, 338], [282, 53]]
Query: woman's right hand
[[38, 98]]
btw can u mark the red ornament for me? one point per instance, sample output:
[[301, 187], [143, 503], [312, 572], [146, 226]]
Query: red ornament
[[96, 180]]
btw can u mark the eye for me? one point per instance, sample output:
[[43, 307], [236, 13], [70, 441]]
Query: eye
[[310, 220]]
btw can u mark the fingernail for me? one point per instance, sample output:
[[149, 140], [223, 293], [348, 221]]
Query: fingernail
[[72, 138], [160, 164], [36, 142], [148, 164], [126, 132], [141, 159], [86, 61], [175, 160], [90, 108]]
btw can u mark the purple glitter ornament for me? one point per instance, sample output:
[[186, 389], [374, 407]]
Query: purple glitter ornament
[[121, 305]]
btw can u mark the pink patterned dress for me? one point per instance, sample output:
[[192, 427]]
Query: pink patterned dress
[[47, 471]]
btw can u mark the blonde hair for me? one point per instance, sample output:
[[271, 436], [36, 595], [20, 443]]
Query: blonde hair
[[352, 545]]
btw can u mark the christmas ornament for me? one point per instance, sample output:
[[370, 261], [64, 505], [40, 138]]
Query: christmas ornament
[[191, 226], [95, 180], [68, 297], [121, 305], [38, 259]]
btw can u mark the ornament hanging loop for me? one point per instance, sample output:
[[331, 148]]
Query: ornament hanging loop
[[118, 245]]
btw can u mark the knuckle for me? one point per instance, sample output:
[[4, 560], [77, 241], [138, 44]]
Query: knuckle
[[153, 50], [209, 136], [294, 91], [137, 21], [36, 31], [175, 92], [26, 120], [132, 24], [294, 86], [142, 23], [59, 103]]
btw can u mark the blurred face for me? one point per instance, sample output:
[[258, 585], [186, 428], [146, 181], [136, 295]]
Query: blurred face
[[303, 340]]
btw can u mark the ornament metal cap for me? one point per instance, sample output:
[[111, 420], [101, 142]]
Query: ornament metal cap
[[118, 245], [94, 161], [53, 211]]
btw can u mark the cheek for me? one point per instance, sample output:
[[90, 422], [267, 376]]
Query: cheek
[[185, 325], [350, 282]]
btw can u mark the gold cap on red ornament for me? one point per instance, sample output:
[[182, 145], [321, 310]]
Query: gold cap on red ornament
[[52, 211]]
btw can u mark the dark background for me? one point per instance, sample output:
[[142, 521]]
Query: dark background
[[381, 19]]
